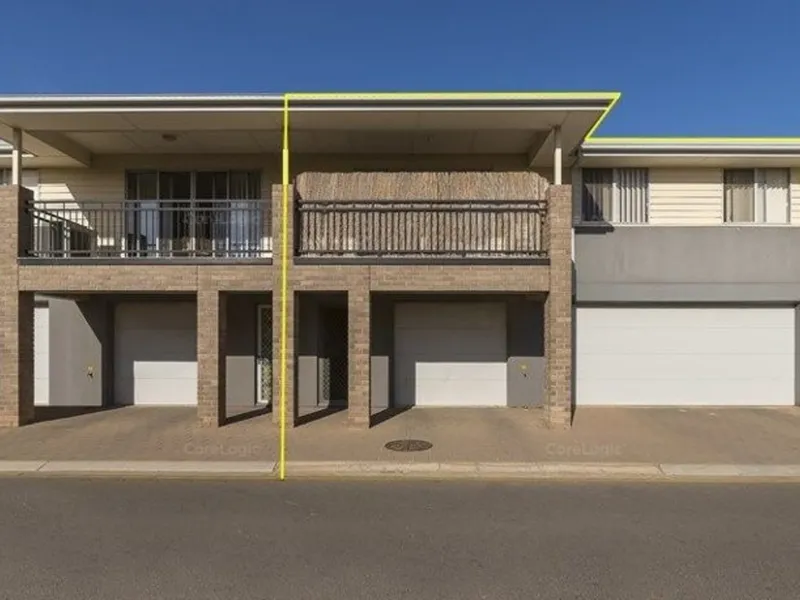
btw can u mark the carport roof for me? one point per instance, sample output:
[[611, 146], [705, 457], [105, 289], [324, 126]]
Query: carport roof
[[70, 130]]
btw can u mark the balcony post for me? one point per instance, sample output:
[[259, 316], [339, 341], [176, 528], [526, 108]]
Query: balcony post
[[16, 157], [557, 163]]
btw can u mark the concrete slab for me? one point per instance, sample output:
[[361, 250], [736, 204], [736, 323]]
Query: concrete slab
[[11, 467], [731, 470], [461, 439], [227, 468]]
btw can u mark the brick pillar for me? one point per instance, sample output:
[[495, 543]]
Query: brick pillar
[[558, 308], [277, 304], [16, 312], [212, 320], [358, 336]]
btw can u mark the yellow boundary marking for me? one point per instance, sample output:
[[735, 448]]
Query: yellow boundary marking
[[284, 284], [612, 98]]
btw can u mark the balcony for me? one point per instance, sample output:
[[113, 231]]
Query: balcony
[[421, 231], [158, 230]]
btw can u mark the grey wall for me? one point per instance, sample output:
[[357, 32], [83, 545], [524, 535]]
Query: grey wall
[[82, 341], [526, 362], [381, 350], [307, 328], [242, 344], [688, 264], [81, 352], [311, 351]]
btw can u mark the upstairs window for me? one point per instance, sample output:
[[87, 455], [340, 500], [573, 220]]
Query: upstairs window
[[756, 195], [615, 195]]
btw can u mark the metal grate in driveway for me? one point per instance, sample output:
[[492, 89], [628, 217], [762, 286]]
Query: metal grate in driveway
[[408, 445]]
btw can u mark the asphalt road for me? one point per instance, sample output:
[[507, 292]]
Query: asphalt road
[[143, 539]]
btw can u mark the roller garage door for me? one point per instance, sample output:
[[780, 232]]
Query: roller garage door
[[155, 353], [450, 354], [685, 356]]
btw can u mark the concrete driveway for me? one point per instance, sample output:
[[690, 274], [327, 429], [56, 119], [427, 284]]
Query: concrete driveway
[[628, 435]]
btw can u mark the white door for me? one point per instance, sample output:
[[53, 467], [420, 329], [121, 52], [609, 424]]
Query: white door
[[156, 353], [685, 356], [41, 356], [450, 354]]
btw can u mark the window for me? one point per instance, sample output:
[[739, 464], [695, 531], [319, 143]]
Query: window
[[615, 195], [208, 211], [756, 195]]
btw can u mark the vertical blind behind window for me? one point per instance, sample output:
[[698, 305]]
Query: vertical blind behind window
[[615, 195]]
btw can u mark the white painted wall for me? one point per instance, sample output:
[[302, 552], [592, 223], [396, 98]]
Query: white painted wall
[[41, 356]]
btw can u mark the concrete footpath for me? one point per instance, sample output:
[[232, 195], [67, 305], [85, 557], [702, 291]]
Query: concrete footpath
[[408, 470], [614, 443]]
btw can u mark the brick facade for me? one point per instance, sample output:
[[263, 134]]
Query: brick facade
[[358, 336], [211, 340], [283, 301], [558, 308], [212, 283], [16, 313], [360, 281]]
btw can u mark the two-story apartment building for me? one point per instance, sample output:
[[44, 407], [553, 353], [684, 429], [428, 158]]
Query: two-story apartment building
[[390, 251]]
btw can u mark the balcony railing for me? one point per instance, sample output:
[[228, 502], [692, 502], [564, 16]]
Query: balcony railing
[[157, 229], [421, 229]]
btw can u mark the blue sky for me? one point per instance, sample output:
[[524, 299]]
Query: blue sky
[[685, 67]]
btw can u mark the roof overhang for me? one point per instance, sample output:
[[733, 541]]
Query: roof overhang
[[697, 152], [71, 130]]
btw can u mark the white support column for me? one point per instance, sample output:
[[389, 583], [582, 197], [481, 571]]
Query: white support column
[[557, 164], [16, 157]]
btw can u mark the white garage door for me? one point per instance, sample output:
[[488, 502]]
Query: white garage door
[[156, 353], [41, 356], [685, 356], [450, 354]]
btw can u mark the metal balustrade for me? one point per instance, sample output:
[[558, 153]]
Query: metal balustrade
[[157, 229]]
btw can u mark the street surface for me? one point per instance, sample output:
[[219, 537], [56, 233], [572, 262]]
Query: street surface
[[170, 539]]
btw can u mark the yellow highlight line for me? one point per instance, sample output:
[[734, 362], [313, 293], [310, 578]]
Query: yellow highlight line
[[284, 285], [602, 117], [387, 96]]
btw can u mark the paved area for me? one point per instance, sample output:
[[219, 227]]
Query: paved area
[[604, 435], [136, 433], [74, 539]]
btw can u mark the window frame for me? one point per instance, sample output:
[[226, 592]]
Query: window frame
[[759, 209], [615, 197]]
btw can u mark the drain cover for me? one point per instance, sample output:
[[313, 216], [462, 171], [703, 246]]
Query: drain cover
[[408, 445]]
